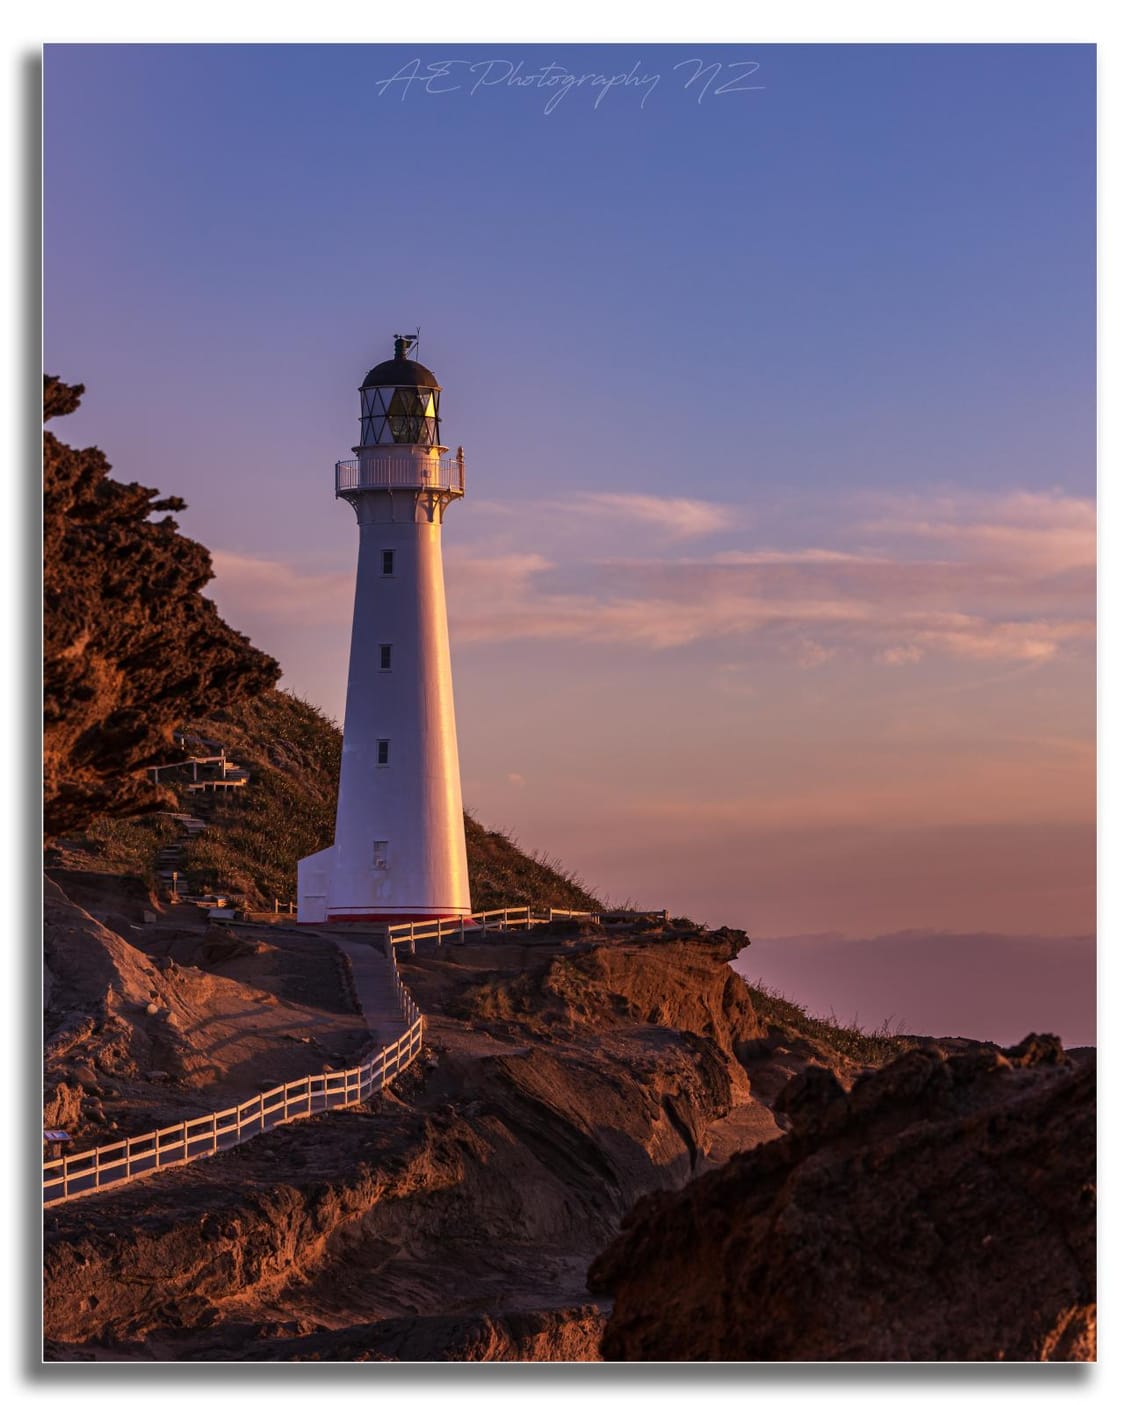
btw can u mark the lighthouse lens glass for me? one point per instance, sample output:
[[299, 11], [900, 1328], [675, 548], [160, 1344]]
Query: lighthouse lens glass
[[400, 415]]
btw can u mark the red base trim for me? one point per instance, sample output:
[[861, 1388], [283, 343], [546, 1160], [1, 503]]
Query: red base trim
[[390, 919]]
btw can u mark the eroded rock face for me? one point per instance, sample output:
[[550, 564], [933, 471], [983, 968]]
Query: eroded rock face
[[541, 1334], [131, 646], [942, 1210], [474, 1192], [561, 1334], [135, 1041]]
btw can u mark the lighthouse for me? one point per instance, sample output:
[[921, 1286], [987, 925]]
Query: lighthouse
[[399, 853]]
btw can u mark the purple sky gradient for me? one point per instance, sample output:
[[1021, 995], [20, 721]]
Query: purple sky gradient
[[772, 599], [927, 983]]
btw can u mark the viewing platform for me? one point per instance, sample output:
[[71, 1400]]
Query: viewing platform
[[400, 471]]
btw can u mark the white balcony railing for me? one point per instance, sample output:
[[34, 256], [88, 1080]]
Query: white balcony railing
[[398, 471]]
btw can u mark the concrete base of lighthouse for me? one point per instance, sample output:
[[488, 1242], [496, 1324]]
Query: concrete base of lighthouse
[[318, 901]]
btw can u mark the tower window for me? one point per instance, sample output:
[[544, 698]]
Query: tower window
[[379, 853], [382, 752], [387, 563], [385, 657]]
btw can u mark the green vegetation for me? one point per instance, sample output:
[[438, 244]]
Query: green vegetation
[[113, 845], [861, 1046], [254, 836]]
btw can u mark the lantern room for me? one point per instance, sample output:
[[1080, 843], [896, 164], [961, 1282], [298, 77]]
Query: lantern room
[[399, 402]]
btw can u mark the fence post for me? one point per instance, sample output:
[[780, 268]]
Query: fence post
[[439, 931], [389, 1060]]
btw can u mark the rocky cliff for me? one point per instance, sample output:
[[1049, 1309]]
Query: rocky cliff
[[576, 1080], [570, 1070], [942, 1210], [131, 646]]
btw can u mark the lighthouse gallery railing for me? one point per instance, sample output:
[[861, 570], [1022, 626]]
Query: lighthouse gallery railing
[[397, 471]]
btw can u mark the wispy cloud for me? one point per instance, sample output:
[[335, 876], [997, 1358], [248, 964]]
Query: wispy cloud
[[1033, 533], [674, 519], [1011, 579], [899, 654], [807, 556], [253, 586]]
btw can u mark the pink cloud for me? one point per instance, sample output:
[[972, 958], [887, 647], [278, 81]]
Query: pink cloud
[[1011, 582], [1038, 534], [899, 654], [674, 518], [250, 585]]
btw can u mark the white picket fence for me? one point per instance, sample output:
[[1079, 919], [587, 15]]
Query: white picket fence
[[500, 920], [86, 1172]]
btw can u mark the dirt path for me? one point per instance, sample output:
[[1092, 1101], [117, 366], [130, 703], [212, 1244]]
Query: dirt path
[[374, 978]]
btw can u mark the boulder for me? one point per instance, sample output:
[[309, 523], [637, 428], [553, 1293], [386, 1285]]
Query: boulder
[[942, 1210]]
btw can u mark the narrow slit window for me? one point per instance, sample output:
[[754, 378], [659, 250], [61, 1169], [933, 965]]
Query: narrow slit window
[[382, 752], [379, 853], [387, 563], [385, 658]]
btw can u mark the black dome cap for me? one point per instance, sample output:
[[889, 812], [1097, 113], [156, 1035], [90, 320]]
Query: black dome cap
[[400, 370]]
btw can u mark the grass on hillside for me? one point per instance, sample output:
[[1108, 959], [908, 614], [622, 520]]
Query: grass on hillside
[[502, 875], [851, 1040], [254, 836], [114, 845]]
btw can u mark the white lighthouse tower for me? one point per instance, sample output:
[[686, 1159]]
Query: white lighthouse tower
[[399, 853]]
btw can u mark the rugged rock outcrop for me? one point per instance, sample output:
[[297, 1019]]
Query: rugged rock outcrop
[[478, 1187], [135, 1039], [559, 1334], [942, 1210], [131, 646]]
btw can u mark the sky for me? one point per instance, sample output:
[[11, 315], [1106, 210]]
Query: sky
[[772, 595]]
